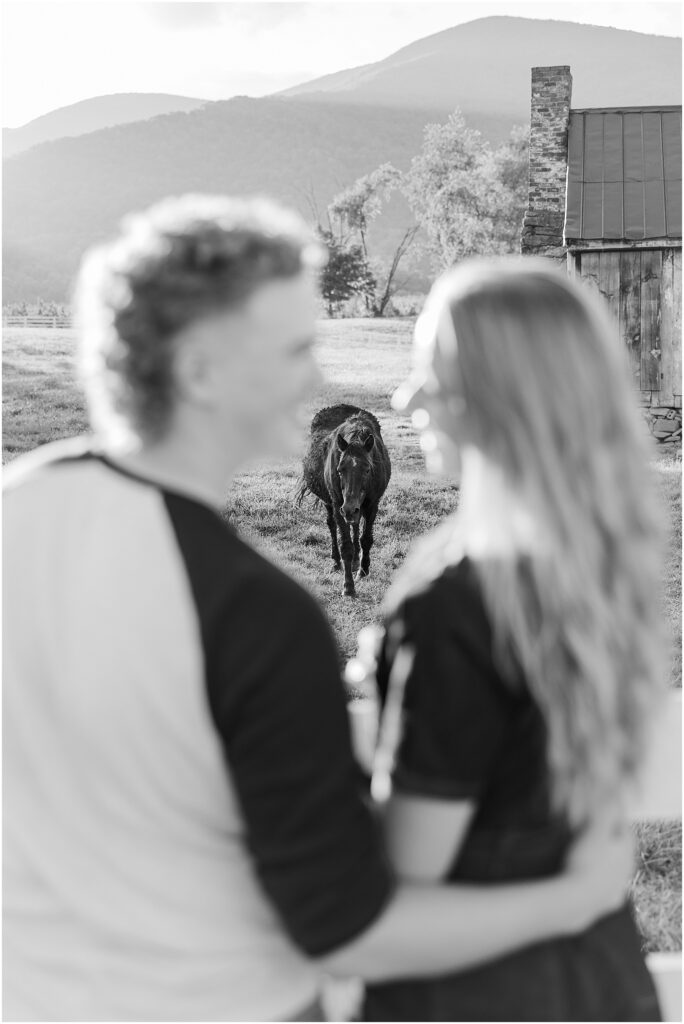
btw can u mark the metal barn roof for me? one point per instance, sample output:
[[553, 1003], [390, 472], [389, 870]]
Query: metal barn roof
[[624, 174]]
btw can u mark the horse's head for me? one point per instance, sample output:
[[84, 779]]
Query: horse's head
[[354, 468]]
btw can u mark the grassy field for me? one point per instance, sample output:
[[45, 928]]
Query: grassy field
[[362, 363]]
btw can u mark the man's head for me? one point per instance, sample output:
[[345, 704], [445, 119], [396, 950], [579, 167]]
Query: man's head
[[201, 312]]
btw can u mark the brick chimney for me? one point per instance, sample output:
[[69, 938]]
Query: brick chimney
[[542, 230]]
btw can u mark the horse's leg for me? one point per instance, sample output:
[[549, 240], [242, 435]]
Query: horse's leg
[[367, 540], [334, 549], [347, 549], [357, 548]]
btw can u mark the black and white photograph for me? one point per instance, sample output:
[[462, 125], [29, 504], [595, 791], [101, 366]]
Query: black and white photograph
[[341, 514]]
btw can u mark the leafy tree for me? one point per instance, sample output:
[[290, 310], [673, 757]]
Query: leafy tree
[[468, 197], [354, 210], [449, 188], [345, 274], [50, 308], [511, 162]]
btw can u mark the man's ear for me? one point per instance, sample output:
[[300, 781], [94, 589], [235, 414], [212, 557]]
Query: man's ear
[[369, 442], [193, 371], [341, 443]]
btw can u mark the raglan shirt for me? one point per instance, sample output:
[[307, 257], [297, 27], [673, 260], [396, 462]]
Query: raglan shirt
[[184, 827], [277, 703]]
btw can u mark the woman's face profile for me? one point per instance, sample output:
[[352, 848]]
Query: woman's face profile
[[430, 394]]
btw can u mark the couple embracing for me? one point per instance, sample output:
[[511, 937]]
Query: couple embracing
[[187, 835]]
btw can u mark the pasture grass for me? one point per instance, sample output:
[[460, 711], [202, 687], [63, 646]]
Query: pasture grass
[[362, 362], [41, 400], [657, 885]]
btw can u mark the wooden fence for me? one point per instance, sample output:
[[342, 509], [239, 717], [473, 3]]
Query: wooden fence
[[36, 320]]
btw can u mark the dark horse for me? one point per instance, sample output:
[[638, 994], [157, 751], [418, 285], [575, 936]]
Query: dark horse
[[348, 468]]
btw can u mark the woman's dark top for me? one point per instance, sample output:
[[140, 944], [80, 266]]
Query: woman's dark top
[[471, 735]]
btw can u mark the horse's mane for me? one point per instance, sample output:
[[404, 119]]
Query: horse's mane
[[334, 416]]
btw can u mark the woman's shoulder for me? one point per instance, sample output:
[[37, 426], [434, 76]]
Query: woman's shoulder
[[447, 618], [454, 590]]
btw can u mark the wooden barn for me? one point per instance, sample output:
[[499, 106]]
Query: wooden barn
[[605, 196]]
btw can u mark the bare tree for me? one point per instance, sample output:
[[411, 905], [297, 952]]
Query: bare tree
[[353, 211]]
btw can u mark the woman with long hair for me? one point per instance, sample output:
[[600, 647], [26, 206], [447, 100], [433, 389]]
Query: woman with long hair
[[522, 637]]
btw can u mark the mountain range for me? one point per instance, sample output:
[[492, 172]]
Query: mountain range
[[304, 144], [91, 115], [483, 67]]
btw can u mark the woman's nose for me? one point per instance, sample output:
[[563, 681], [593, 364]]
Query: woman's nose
[[407, 396]]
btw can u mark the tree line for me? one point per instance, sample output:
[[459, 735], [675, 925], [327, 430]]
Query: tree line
[[41, 307]]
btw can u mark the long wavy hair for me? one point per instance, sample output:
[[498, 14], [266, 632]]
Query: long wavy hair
[[544, 392]]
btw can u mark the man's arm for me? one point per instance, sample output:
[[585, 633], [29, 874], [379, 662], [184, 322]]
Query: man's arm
[[279, 705], [430, 930]]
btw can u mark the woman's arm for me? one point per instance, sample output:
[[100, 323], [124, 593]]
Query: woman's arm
[[424, 834], [429, 930]]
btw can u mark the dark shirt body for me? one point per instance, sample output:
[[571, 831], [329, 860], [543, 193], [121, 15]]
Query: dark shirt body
[[471, 735]]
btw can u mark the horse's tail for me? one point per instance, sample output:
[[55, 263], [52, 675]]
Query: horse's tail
[[301, 492]]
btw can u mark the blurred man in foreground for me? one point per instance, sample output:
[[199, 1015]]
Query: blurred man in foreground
[[185, 838]]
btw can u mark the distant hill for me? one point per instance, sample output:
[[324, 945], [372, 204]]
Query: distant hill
[[62, 196], [483, 67], [91, 115]]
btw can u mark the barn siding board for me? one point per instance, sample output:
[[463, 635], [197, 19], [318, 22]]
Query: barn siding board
[[572, 262], [590, 269], [598, 244], [677, 323], [651, 272], [630, 308], [667, 389], [609, 284]]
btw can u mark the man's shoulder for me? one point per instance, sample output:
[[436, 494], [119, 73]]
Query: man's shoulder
[[222, 563], [264, 576], [32, 465], [267, 582]]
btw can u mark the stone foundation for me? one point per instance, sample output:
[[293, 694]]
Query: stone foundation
[[665, 423]]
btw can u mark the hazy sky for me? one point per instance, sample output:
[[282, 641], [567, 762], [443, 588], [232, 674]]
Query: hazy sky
[[55, 53]]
